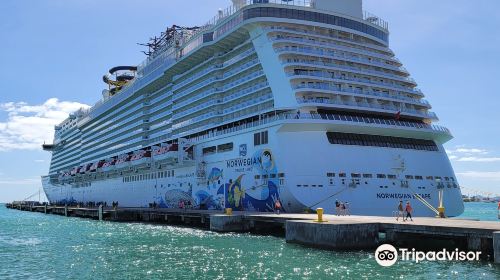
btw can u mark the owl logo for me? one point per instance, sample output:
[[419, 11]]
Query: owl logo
[[243, 150], [267, 161]]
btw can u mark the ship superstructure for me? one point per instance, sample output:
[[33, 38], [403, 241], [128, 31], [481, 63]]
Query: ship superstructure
[[301, 101]]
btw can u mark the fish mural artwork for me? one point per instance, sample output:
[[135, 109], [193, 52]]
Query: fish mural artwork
[[207, 201], [237, 195], [214, 177], [173, 197]]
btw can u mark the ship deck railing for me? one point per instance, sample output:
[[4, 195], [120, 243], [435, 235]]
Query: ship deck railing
[[277, 117]]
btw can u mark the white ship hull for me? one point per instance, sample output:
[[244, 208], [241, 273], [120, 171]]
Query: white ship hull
[[299, 164]]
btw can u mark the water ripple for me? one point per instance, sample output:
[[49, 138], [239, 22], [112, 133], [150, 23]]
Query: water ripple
[[37, 246]]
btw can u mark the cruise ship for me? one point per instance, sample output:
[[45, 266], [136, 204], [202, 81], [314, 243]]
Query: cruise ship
[[297, 101]]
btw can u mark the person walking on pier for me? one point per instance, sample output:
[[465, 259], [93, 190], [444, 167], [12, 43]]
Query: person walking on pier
[[277, 206], [337, 207], [346, 209], [408, 210], [400, 211]]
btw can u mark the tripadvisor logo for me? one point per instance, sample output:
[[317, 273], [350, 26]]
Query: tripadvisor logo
[[388, 255]]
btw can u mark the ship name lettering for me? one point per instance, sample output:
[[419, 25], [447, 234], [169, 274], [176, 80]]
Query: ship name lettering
[[242, 162], [401, 196]]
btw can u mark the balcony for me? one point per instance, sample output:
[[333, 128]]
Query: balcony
[[365, 93], [332, 54], [278, 117], [296, 30], [336, 46], [344, 79], [212, 68], [387, 108], [361, 70]]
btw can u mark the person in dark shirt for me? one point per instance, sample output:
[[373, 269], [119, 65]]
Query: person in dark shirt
[[400, 211], [337, 207]]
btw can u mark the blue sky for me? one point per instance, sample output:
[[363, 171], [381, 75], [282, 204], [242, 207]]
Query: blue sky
[[53, 54]]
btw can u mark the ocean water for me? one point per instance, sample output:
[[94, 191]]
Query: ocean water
[[38, 246]]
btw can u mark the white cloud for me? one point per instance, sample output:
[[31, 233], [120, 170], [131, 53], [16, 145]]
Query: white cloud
[[462, 150], [478, 159], [28, 126], [471, 151], [463, 154], [39, 160], [489, 175]]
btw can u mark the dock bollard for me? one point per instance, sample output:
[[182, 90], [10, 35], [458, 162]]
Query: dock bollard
[[319, 211], [229, 211], [441, 212], [100, 212]]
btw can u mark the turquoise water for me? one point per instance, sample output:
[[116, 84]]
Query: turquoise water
[[481, 211], [37, 246]]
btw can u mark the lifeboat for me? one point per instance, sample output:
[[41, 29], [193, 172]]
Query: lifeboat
[[96, 165], [85, 168], [123, 160], [140, 157], [109, 164], [165, 151], [74, 171]]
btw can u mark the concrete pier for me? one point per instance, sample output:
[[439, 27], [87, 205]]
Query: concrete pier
[[344, 236], [337, 232]]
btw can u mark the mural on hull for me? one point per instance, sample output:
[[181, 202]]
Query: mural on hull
[[255, 189], [251, 185]]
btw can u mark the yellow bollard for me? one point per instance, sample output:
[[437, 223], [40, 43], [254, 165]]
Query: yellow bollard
[[229, 211], [319, 211], [441, 212]]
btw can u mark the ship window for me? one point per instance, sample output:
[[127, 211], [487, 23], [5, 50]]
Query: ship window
[[172, 173], [367, 176], [272, 175], [391, 176], [380, 141], [342, 175], [257, 177], [209, 150], [225, 147], [417, 177], [330, 174], [381, 176], [264, 137], [355, 175], [256, 139], [260, 138], [429, 178], [281, 175], [409, 176]]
